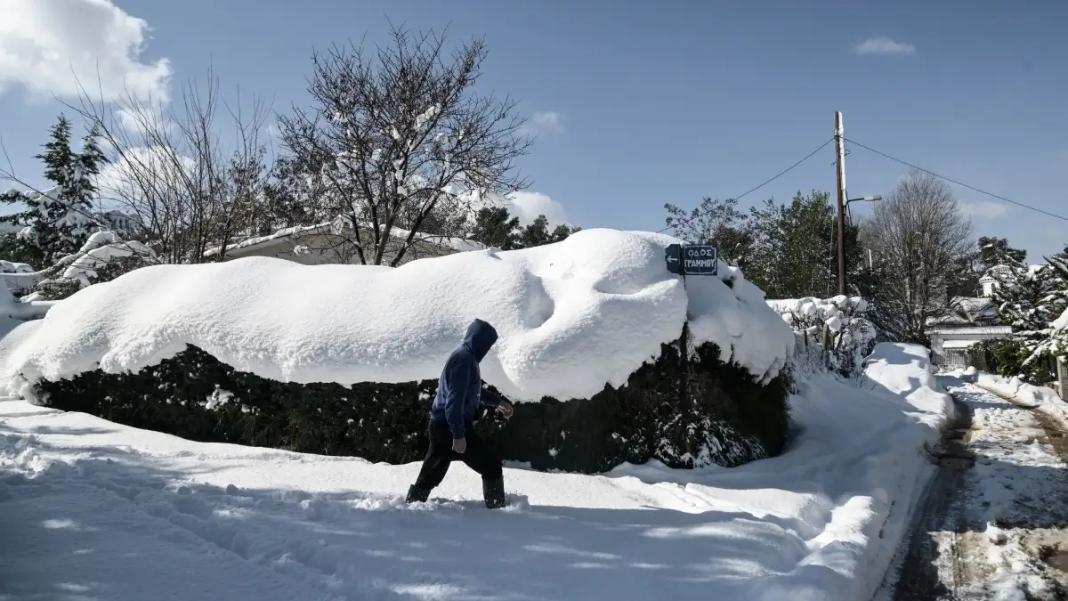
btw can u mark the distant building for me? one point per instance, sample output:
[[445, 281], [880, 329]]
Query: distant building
[[993, 278], [330, 242], [968, 321]]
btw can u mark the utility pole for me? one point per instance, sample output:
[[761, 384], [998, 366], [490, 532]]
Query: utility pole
[[839, 152]]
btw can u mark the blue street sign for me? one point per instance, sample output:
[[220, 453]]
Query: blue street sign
[[673, 256], [692, 260]]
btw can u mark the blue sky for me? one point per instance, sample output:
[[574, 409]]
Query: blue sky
[[645, 103]]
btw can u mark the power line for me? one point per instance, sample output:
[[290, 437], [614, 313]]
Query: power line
[[783, 172], [956, 181], [763, 183]]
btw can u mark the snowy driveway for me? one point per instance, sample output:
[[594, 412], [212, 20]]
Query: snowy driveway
[[996, 516]]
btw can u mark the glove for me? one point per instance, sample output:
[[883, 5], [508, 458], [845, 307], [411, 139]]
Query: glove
[[459, 445], [506, 409]]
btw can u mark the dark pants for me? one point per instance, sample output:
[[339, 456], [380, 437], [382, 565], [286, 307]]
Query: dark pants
[[478, 456]]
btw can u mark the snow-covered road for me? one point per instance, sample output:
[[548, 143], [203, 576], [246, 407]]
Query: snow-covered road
[[995, 520]]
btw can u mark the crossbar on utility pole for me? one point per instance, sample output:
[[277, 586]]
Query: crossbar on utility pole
[[839, 151]]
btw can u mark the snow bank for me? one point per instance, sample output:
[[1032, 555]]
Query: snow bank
[[1016, 390], [905, 369], [819, 522], [860, 462], [572, 317]]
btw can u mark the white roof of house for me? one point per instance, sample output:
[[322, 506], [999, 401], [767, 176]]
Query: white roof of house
[[450, 242], [257, 240]]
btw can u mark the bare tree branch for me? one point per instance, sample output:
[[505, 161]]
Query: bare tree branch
[[399, 140]]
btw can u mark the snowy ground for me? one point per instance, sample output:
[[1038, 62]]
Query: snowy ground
[[997, 516], [93, 510]]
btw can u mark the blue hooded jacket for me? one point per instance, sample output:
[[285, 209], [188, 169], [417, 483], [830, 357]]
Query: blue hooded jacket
[[460, 385]]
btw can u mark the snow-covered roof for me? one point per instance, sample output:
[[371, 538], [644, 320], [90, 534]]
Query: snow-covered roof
[[15, 267], [968, 311], [955, 344], [572, 317], [449, 242], [258, 240], [969, 330]]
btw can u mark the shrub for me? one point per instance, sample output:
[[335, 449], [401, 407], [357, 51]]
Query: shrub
[[1009, 357], [685, 413]]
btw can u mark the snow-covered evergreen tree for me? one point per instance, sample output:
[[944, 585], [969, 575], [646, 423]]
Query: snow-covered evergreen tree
[[996, 251], [1055, 343], [1029, 299], [1058, 267], [57, 220]]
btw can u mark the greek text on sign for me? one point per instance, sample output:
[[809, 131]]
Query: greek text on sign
[[692, 260]]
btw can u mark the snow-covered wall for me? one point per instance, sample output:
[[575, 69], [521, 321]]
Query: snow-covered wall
[[572, 317]]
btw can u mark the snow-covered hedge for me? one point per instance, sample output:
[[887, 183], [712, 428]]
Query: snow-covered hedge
[[343, 359], [1015, 389], [832, 330], [688, 413], [572, 317]]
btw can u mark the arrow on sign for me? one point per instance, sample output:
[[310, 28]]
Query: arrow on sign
[[672, 256]]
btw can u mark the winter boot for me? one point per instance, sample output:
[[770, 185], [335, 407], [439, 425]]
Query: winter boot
[[493, 492], [416, 493]]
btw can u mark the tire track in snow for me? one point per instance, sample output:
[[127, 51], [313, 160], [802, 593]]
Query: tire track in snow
[[995, 511], [156, 502]]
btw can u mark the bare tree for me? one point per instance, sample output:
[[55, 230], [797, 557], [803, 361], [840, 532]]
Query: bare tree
[[400, 143], [714, 221], [185, 188], [919, 236]]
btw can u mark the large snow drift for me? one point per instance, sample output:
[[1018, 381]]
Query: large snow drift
[[104, 510], [572, 317]]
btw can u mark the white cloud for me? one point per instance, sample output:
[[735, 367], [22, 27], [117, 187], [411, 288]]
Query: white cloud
[[49, 46], [528, 205], [884, 46], [549, 122], [984, 208], [118, 180]]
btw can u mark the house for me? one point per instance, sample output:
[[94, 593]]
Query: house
[[993, 278], [968, 321], [331, 242]]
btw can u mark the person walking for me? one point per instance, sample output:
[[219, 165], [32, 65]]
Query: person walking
[[452, 415]]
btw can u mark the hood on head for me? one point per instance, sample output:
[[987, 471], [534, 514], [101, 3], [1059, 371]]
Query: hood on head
[[479, 338]]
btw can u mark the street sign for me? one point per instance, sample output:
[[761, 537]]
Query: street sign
[[673, 257], [692, 260]]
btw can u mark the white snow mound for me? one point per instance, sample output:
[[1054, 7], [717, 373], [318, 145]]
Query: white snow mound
[[572, 317]]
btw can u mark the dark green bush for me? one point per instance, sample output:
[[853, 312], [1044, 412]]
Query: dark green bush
[[684, 413], [1006, 357], [57, 289]]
